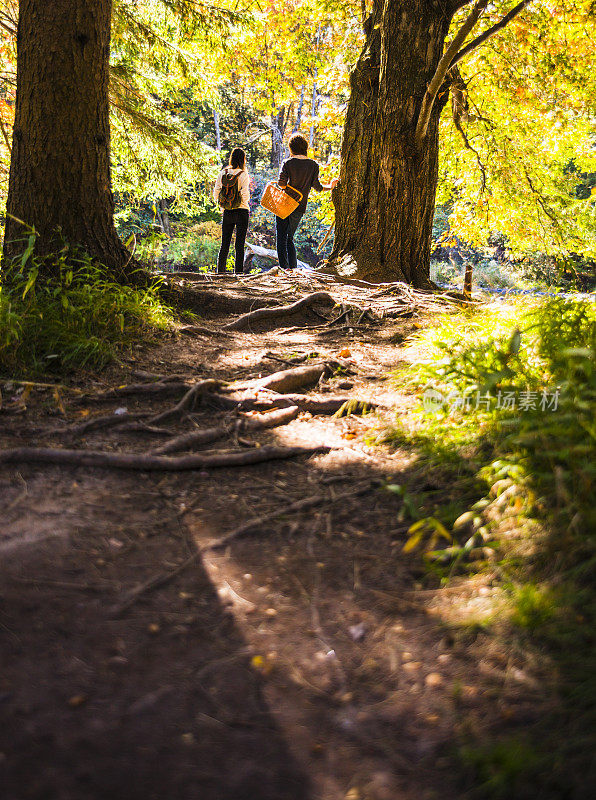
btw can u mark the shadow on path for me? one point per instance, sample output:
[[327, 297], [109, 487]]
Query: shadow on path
[[160, 703]]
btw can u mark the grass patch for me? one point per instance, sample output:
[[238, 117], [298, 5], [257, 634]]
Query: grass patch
[[502, 769], [512, 420], [533, 606], [65, 312]]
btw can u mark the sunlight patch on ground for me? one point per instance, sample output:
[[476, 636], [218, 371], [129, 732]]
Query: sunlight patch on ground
[[467, 604]]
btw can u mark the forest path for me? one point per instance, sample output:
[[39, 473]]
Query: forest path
[[301, 661]]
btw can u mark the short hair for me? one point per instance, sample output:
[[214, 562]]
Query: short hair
[[298, 145], [238, 158]]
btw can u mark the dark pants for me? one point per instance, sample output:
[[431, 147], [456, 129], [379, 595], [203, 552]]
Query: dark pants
[[285, 230], [237, 218]]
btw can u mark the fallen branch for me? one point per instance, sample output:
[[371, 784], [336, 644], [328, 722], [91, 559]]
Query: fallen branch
[[266, 314], [300, 505], [157, 581], [151, 463], [78, 587], [263, 252], [272, 420]]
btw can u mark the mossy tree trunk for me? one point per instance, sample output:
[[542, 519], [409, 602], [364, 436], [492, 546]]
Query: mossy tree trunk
[[60, 168], [388, 179]]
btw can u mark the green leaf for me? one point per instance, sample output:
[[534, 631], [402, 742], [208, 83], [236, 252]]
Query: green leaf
[[515, 342], [30, 281], [413, 541], [28, 250]]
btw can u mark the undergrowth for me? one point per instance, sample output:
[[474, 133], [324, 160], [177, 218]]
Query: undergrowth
[[65, 311], [506, 431]]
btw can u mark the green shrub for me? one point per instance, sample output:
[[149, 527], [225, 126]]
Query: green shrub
[[66, 311], [198, 252], [542, 462], [533, 606], [501, 769]]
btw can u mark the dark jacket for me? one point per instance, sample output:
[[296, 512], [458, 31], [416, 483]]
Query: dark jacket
[[302, 174]]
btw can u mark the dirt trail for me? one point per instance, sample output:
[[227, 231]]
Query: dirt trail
[[302, 661]]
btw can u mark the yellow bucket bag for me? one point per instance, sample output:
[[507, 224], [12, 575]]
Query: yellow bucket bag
[[281, 200]]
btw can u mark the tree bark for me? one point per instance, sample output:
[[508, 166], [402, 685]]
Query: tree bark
[[60, 169], [313, 110], [298, 122], [164, 217], [386, 197], [278, 127], [315, 95], [217, 130]]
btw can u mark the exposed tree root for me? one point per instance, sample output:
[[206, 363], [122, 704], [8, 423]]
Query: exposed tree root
[[153, 583], [147, 376], [210, 302], [161, 388], [272, 420], [142, 462], [291, 362], [300, 505], [314, 405], [143, 427], [246, 321], [106, 421], [202, 330], [188, 401], [288, 380]]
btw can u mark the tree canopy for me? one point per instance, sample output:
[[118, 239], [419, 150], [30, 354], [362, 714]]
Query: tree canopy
[[516, 154]]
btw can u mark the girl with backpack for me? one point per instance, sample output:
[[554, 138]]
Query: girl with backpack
[[232, 192]]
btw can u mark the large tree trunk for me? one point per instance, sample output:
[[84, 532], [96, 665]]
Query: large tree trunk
[[386, 197], [60, 168]]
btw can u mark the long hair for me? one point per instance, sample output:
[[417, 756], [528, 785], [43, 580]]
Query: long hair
[[238, 158]]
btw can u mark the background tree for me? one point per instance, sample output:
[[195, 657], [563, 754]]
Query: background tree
[[518, 163], [60, 175], [520, 159], [390, 155], [60, 167]]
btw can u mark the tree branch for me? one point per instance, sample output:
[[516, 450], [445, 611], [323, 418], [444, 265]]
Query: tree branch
[[443, 68], [459, 107], [490, 32]]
